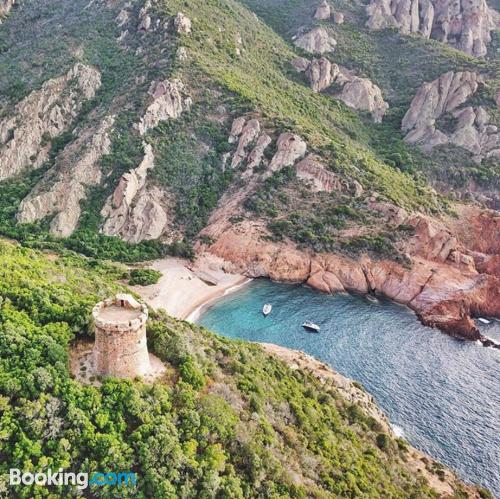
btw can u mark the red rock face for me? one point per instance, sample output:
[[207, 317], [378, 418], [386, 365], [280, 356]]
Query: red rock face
[[443, 286]]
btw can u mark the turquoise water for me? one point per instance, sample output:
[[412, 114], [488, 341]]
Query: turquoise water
[[444, 394]]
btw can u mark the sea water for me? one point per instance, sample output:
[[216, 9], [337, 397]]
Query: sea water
[[442, 394]]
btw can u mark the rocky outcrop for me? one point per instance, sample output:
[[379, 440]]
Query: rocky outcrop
[[464, 24], [64, 186], [338, 18], [26, 135], [5, 8], [169, 101], [362, 94], [252, 142], [316, 41], [300, 64], [136, 211], [321, 74], [445, 96], [182, 24], [289, 148], [323, 11], [247, 133], [144, 17], [409, 16], [357, 93], [313, 172]]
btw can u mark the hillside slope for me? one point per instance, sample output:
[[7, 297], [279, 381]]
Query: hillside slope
[[227, 419], [197, 127]]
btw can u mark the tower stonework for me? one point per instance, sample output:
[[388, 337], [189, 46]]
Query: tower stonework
[[120, 348]]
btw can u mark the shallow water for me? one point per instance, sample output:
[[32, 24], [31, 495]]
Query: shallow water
[[443, 394]]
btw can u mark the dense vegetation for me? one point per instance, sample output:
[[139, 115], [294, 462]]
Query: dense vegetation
[[226, 420]]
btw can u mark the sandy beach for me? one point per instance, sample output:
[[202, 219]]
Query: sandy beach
[[183, 291]]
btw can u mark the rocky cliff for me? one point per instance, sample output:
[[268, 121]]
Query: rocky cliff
[[26, 135], [65, 185], [465, 24], [447, 95], [137, 211]]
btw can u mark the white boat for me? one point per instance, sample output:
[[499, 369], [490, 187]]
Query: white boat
[[371, 298], [484, 321], [310, 326], [266, 310]]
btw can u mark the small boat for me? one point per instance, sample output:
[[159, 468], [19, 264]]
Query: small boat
[[266, 309], [484, 321], [371, 298], [310, 326]]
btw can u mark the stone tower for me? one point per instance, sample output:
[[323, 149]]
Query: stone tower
[[120, 348]]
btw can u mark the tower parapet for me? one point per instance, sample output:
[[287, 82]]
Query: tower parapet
[[120, 348]]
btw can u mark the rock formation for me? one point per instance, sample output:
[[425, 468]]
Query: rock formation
[[321, 74], [253, 142], [247, 133], [65, 185], [169, 101], [362, 94], [182, 24], [358, 93], [26, 135], [300, 64], [338, 18], [311, 170], [136, 211], [472, 129], [289, 148], [316, 41], [464, 24], [323, 11], [5, 8], [442, 295]]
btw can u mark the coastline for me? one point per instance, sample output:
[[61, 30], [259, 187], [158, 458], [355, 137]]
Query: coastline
[[198, 309], [442, 479], [183, 291]]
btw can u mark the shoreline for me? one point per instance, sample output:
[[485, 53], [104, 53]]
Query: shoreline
[[197, 310], [184, 291]]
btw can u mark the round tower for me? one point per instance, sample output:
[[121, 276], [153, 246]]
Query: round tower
[[120, 348]]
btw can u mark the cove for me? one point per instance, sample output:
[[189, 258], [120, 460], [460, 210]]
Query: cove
[[442, 393]]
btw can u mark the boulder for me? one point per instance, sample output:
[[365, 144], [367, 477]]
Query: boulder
[[362, 94], [5, 8], [300, 64], [431, 240], [338, 18], [123, 17], [321, 74], [26, 135], [316, 41], [257, 153], [63, 188], [169, 101], [182, 24], [323, 11], [289, 148], [247, 136]]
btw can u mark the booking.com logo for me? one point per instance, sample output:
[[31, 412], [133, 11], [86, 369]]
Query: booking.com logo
[[79, 480]]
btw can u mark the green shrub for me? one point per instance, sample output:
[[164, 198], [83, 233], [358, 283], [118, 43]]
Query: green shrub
[[144, 277]]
